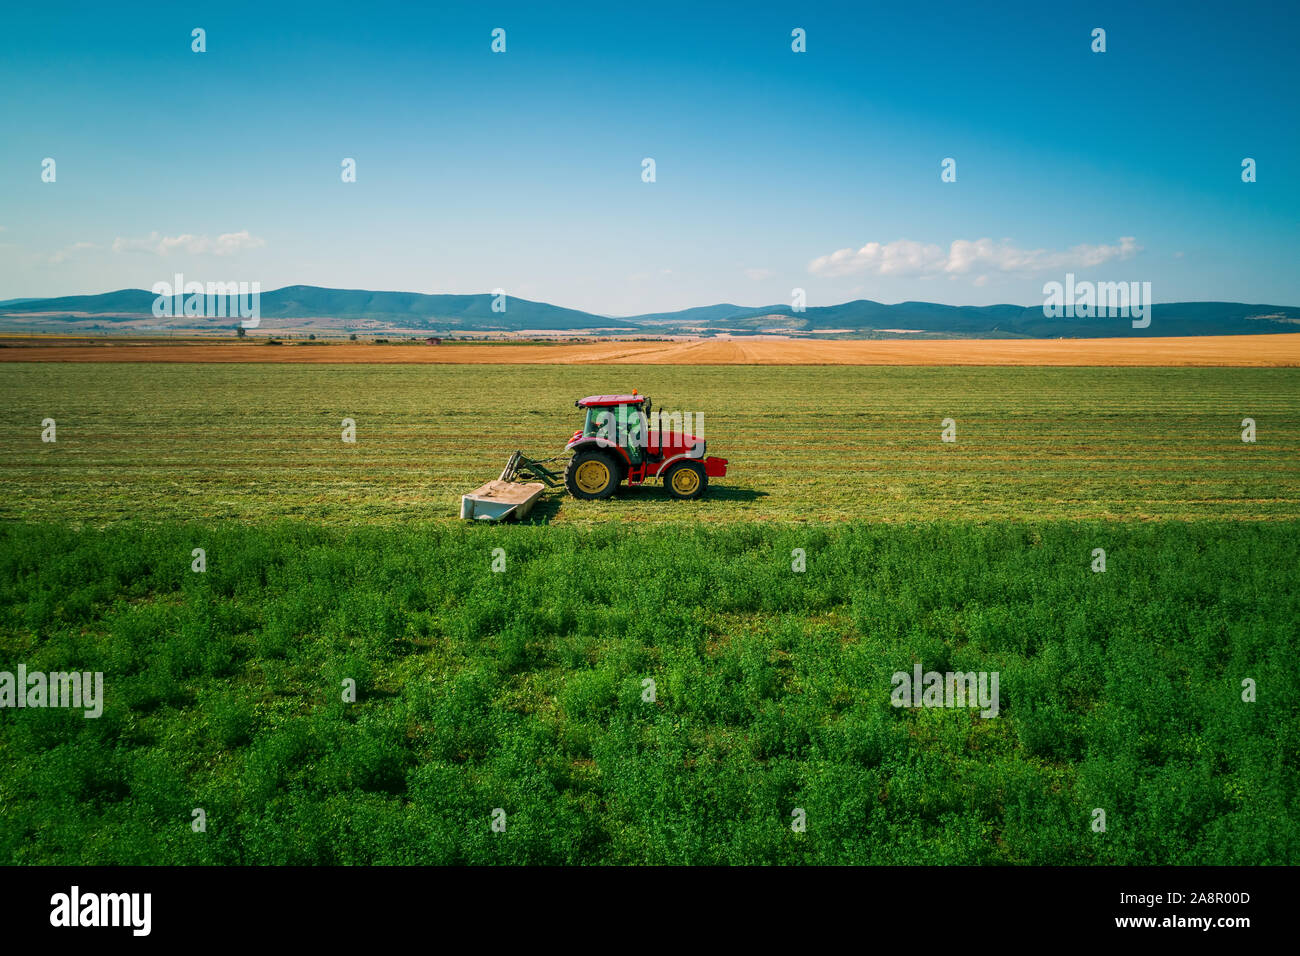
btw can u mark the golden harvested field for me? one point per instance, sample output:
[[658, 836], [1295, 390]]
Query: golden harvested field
[[1202, 351]]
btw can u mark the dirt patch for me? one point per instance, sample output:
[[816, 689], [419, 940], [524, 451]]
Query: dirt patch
[[1212, 350]]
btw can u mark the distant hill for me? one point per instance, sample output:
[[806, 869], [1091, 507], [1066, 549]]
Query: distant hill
[[334, 308], [864, 315], [700, 315], [135, 301], [441, 311], [311, 307]]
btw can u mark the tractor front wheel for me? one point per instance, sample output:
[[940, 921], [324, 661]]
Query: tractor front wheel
[[686, 480], [591, 475]]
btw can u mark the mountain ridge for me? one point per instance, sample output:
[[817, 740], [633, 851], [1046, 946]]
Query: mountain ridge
[[303, 307]]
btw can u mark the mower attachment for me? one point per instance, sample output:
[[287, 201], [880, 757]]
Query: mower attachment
[[508, 496]]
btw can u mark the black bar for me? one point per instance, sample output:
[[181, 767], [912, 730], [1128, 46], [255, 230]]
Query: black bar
[[906, 905]]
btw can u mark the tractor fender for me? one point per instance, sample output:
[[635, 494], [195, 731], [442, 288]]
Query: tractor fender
[[713, 467], [687, 456], [603, 445], [665, 465]]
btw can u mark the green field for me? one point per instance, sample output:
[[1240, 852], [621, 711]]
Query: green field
[[805, 444], [524, 689]]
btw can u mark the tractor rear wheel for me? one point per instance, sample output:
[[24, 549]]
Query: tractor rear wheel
[[686, 480], [591, 475]]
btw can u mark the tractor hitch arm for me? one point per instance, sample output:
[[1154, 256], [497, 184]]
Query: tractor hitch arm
[[520, 467]]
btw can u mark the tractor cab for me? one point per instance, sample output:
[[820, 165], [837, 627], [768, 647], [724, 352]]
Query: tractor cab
[[616, 443], [614, 416]]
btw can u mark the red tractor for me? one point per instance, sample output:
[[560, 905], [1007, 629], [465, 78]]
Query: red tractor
[[615, 444]]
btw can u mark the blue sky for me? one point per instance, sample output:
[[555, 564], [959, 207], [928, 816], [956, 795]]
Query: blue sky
[[774, 169]]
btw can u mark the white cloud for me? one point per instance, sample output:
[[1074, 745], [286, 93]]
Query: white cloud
[[63, 255], [906, 257], [224, 245]]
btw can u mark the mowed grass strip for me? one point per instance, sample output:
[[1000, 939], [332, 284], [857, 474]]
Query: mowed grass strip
[[805, 443], [525, 690]]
